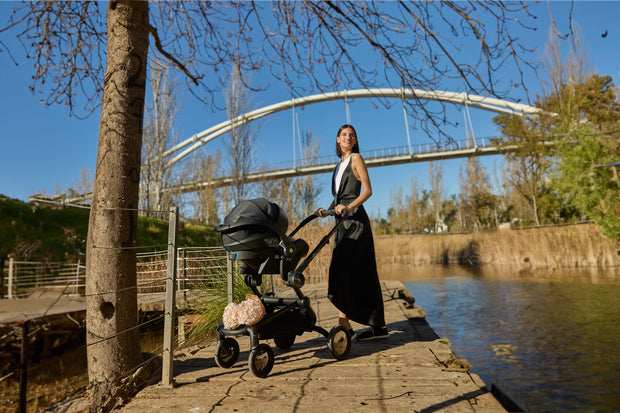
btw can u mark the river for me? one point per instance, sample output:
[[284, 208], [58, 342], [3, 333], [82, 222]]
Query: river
[[549, 341]]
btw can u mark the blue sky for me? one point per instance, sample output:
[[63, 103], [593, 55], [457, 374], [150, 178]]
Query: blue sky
[[44, 149]]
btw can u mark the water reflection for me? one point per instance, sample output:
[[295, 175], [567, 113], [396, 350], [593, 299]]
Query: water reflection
[[549, 342]]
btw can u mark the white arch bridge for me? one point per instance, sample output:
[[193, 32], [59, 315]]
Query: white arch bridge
[[381, 157]]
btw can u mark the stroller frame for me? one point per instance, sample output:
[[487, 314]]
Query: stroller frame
[[285, 318]]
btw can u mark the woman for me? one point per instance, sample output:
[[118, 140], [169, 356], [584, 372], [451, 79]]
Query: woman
[[353, 280]]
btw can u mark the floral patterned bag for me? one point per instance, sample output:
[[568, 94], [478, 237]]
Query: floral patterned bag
[[248, 312]]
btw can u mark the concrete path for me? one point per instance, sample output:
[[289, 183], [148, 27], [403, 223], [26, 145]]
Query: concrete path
[[411, 371]]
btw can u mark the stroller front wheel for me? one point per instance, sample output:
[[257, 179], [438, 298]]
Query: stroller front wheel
[[261, 360], [227, 353], [339, 342]]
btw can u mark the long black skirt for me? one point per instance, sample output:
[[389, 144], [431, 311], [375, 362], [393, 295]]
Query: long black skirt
[[353, 280]]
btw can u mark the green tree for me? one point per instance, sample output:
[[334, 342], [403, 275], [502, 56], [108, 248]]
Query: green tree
[[580, 115], [587, 177]]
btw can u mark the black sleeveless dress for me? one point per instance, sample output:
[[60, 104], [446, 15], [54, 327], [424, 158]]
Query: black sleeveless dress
[[353, 280]]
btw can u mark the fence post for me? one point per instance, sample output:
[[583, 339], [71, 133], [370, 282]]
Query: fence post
[[23, 369], [229, 276], [167, 372], [184, 272], [178, 252], [77, 278], [11, 269]]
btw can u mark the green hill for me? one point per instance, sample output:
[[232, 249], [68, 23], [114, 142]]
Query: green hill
[[37, 233]]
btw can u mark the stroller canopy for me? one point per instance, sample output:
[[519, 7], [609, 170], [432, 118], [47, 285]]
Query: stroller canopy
[[253, 230], [259, 212]]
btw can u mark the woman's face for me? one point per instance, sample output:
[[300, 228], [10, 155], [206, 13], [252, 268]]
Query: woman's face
[[346, 139]]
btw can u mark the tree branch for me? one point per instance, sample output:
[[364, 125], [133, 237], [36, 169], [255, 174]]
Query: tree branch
[[160, 48]]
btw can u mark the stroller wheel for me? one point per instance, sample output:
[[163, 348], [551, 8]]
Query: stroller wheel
[[339, 342], [284, 342], [227, 352], [261, 360]]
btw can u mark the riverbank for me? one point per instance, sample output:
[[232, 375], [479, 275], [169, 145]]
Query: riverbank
[[572, 246], [535, 252]]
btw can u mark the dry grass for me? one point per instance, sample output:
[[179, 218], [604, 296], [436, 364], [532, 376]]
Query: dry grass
[[312, 233], [576, 246], [549, 248]]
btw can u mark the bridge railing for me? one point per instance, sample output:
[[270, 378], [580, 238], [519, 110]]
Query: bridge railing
[[413, 149]]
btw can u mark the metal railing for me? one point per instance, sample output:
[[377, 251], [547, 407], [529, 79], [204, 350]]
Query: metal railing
[[197, 268], [422, 148]]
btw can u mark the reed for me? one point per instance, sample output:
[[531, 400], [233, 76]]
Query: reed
[[574, 246]]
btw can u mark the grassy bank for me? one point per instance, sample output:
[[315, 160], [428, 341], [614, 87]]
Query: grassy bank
[[32, 233]]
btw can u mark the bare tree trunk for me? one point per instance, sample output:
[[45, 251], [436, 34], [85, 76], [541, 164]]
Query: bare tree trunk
[[111, 304], [435, 177]]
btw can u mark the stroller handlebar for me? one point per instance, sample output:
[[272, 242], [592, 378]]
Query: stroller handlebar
[[309, 218], [332, 212]]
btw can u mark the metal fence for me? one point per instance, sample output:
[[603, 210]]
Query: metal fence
[[22, 278], [197, 268]]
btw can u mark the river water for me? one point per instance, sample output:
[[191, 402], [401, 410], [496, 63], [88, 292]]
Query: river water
[[549, 341]]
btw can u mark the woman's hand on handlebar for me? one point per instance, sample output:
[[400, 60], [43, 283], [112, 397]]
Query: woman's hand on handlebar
[[341, 209]]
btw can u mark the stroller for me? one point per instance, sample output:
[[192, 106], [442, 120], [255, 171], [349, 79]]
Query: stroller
[[255, 230]]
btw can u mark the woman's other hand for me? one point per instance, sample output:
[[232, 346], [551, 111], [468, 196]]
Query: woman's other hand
[[319, 212]]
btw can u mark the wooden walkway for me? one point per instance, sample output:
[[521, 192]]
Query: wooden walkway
[[46, 304], [411, 371]]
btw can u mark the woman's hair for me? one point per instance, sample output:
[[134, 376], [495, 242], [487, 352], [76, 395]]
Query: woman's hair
[[356, 147]]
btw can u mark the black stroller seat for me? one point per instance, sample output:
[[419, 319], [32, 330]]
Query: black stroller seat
[[255, 231]]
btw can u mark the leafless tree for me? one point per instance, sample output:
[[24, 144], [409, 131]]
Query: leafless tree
[[436, 195], [306, 188], [240, 142], [280, 191], [158, 136], [476, 196], [84, 184], [206, 203], [87, 61]]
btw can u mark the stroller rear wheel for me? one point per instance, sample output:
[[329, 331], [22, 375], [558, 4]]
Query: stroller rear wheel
[[227, 352], [284, 342], [339, 342], [261, 360]]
